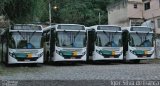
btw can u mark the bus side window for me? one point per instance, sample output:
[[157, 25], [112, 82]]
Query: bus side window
[[47, 36], [11, 42]]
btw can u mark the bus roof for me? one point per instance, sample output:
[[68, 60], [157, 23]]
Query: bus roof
[[65, 27], [26, 27], [69, 24], [138, 29], [47, 28], [104, 27]]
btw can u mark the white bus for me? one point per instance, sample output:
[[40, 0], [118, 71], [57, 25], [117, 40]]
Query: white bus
[[22, 43], [65, 42], [104, 43], [140, 43]]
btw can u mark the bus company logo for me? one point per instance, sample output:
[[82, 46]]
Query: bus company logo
[[9, 83]]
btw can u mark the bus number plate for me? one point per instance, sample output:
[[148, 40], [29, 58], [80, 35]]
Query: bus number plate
[[111, 56], [27, 60], [73, 57], [143, 57]]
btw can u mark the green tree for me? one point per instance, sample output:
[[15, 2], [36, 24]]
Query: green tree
[[73, 12], [69, 11], [83, 12], [24, 11]]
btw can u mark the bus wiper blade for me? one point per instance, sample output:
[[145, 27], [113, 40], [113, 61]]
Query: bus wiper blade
[[139, 37], [66, 33], [146, 35], [106, 34], [21, 35], [31, 35], [76, 34], [75, 37], [113, 35]]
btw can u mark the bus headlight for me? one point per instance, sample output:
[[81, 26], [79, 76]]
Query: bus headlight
[[58, 52], [12, 54], [61, 54], [133, 52], [100, 52], [83, 53], [41, 54]]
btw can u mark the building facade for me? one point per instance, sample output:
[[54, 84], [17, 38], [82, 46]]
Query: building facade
[[125, 13], [152, 12], [135, 12]]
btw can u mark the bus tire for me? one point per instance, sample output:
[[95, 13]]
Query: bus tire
[[47, 57]]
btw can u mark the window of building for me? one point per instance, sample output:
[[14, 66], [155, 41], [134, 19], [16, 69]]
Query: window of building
[[135, 5], [158, 22], [146, 5]]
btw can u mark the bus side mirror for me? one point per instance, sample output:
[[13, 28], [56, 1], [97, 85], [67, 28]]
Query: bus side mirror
[[95, 36], [48, 43]]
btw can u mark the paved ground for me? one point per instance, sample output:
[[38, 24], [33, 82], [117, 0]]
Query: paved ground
[[88, 74], [116, 71]]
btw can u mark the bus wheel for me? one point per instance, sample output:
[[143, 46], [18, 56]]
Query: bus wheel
[[46, 57], [136, 61]]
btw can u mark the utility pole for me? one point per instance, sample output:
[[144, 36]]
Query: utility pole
[[49, 11], [99, 18]]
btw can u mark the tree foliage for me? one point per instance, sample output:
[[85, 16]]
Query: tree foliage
[[83, 11], [23, 11], [69, 11]]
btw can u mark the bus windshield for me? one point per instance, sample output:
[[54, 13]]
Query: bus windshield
[[75, 39], [109, 39], [141, 39], [25, 40]]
